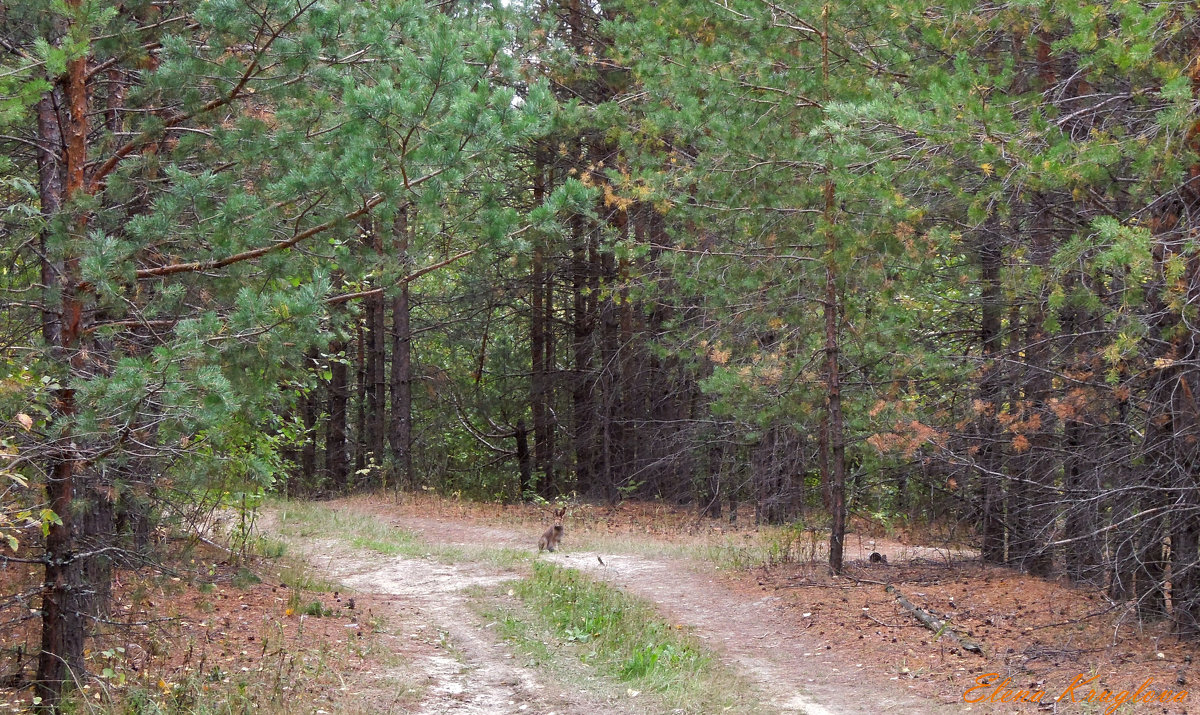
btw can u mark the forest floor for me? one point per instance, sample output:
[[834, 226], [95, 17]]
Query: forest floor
[[390, 605]]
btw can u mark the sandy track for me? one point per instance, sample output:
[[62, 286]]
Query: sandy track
[[795, 670], [449, 651]]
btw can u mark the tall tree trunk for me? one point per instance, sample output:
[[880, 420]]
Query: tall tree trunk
[[836, 466], [991, 491], [627, 387], [1151, 559], [401, 386], [1156, 480], [524, 461], [584, 382], [97, 534], [63, 621], [549, 459], [1033, 499], [609, 438], [374, 340], [51, 119], [1121, 543], [1033, 512], [1185, 570], [336, 464], [377, 386], [1082, 487], [359, 442], [308, 450], [541, 347], [63, 625], [1185, 410], [835, 475], [537, 372]]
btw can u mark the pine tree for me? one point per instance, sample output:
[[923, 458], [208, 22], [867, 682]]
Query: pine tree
[[190, 239]]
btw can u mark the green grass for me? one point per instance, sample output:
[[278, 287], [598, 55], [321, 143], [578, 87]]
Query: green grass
[[293, 571], [769, 546], [502, 557], [245, 578], [300, 577], [267, 547], [619, 638], [309, 520]]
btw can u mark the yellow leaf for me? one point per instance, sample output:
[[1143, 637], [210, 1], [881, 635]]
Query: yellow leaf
[[25, 420]]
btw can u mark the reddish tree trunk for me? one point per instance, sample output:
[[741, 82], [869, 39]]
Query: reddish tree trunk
[[63, 621]]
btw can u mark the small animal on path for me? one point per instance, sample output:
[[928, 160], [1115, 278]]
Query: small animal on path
[[553, 535]]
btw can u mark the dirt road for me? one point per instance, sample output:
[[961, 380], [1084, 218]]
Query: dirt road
[[466, 668]]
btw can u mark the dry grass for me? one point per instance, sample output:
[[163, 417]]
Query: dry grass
[[211, 636]]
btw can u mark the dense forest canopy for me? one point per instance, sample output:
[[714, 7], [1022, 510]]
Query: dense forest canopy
[[894, 260]]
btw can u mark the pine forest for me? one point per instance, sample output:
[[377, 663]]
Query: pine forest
[[801, 272]]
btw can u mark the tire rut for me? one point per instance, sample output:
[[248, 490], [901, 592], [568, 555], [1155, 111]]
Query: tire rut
[[465, 668], [794, 669]]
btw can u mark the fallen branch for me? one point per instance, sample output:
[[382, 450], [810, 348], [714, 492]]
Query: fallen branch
[[940, 628]]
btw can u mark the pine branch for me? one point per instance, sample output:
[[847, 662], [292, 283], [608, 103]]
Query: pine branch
[[211, 264], [255, 253], [335, 300], [102, 172]]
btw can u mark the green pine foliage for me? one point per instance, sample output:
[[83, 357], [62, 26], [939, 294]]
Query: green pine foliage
[[632, 216]]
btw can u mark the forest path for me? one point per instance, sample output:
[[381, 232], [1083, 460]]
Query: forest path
[[443, 650], [794, 669]]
